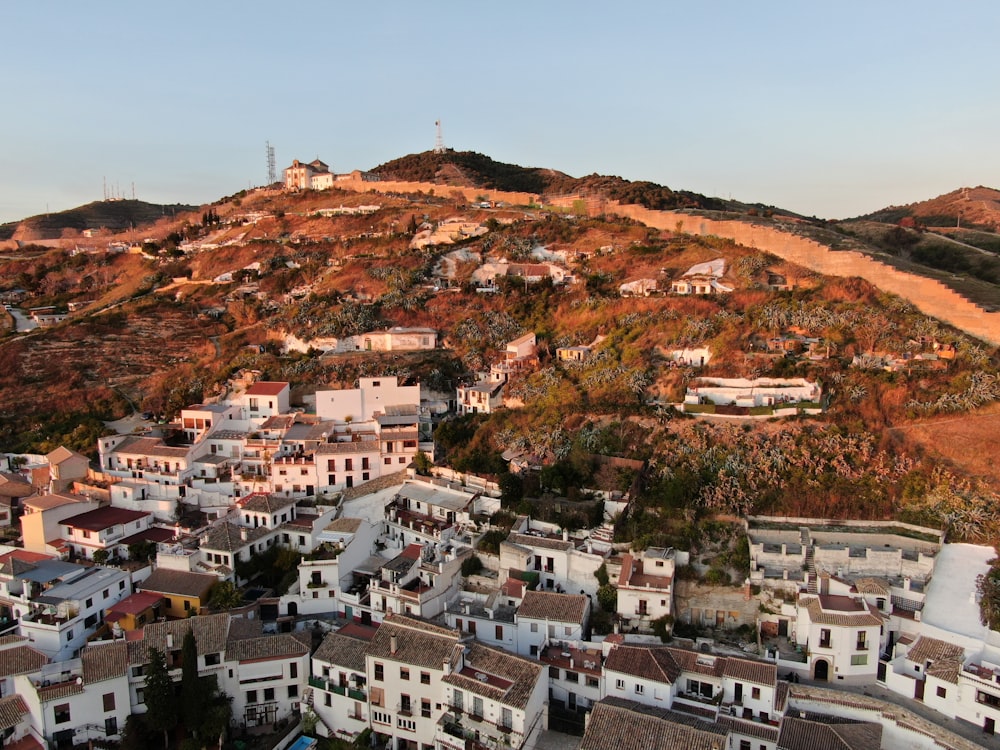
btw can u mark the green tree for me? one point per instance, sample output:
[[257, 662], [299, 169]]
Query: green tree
[[225, 596], [161, 713], [192, 688], [607, 597], [423, 463], [100, 556], [511, 489]]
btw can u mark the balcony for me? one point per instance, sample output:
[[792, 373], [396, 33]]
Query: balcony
[[475, 730], [332, 687]]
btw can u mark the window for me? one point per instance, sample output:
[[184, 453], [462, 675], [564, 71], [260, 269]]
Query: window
[[534, 627], [212, 660], [942, 692], [109, 701], [89, 603], [140, 695], [387, 460], [61, 712], [251, 696], [861, 640], [620, 684], [425, 678], [572, 676], [404, 705], [293, 691], [858, 660], [755, 693], [534, 651], [187, 605], [568, 630], [409, 724], [268, 694], [381, 718], [639, 688], [477, 706], [458, 699], [121, 585], [379, 672], [499, 632], [329, 699], [425, 708], [824, 638], [404, 673], [111, 726], [506, 718], [745, 745]]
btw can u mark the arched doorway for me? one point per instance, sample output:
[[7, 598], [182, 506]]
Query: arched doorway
[[293, 609], [822, 670]]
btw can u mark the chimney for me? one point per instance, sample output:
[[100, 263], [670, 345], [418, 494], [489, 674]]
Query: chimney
[[170, 640], [393, 644], [244, 532], [565, 535]]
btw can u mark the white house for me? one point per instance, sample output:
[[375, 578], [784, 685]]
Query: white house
[[843, 636], [545, 616], [646, 587]]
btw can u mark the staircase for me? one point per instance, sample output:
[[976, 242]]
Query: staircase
[[806, 541], [307, 696]]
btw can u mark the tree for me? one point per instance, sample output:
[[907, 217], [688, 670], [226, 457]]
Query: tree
[[161, 713], [192, 688], [607, 597], [100, 556], [422, 463], [225, 596], [511, 489]]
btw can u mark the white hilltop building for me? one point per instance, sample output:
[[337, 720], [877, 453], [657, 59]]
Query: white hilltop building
[[702, 278], [747, 393]]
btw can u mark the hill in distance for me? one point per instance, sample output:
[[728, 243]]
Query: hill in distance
[[115, 216], [977, 207], [472, 169]]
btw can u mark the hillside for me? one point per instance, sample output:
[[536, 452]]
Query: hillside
[[976, 207], [471, 168], [112, 216], [230, 289]]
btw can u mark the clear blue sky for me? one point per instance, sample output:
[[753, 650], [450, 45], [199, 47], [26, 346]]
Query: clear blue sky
[[832, 109]]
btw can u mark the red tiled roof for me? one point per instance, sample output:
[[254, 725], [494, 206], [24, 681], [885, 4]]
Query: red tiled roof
[[412, 552], [134, 604], [103, 518], [266, 388]]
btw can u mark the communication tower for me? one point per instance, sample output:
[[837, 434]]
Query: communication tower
[[439, 140], [272, 174]]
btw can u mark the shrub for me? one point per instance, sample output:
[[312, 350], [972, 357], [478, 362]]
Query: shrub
[[471, 565]]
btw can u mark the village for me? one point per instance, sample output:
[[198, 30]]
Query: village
[[342, 585], [397, 620]]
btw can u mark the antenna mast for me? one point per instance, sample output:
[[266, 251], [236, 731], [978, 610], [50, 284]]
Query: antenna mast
[[439, 140], [272, 174]]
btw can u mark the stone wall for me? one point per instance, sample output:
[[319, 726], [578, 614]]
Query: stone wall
[[722, 606], [928, 295]]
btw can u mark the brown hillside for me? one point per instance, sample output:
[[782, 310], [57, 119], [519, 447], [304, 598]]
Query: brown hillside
[[978, 206]]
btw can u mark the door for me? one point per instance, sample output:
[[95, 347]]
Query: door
[[738, 691], [783, 628], [822, 670], [349, 613], [989, 726]]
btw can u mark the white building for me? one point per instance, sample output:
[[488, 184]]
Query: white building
[[547, 617], [842, 636], [646, 587]]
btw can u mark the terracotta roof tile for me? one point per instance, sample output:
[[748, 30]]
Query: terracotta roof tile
[[343, 650], [178, 582], [266, 647], [518, 676], [830, 733], [654, 663], [104, 661], [931, 649], [21, 660], [624, 725], [417, 642], [12, 710], [547, 605]]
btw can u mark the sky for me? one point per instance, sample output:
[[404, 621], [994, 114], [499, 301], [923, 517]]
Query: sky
[[829, 109]]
